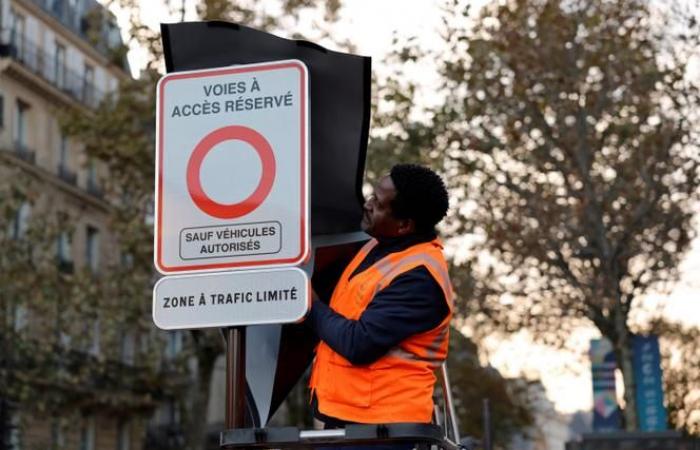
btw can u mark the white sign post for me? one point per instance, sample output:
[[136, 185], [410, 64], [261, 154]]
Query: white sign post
[[247, 297], [232, 168]]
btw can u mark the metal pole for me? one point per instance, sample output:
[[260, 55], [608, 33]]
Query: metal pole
[[449, 403], [235, 378], [487, 424]]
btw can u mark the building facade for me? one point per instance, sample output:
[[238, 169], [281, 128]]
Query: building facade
[[78, 378], [48, 65]]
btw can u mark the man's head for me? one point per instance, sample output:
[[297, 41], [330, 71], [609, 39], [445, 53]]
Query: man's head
[[411, 199]]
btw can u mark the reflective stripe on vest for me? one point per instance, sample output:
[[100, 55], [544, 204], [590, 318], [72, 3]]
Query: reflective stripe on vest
[[391, 270], [431, 354]]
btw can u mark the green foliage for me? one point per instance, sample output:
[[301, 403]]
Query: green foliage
[[48, 309]]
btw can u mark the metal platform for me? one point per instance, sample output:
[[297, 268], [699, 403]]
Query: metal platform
[[423, 435]]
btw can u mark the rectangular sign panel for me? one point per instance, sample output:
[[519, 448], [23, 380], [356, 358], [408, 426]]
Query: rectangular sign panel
[[606, 412], [646, 360], [232, 168], [251, 297]]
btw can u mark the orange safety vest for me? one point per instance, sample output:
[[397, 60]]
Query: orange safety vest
[[398, 387]]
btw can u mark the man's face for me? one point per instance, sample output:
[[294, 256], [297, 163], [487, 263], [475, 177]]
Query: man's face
[[378, 220]]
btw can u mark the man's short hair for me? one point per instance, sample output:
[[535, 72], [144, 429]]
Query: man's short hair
[[420, 195]]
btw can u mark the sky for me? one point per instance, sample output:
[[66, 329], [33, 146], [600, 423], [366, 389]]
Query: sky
[[370, 25]]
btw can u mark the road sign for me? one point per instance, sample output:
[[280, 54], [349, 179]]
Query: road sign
[[232, 168], [250, 297]]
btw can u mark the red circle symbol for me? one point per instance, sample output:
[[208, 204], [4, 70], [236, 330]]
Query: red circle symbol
[[194, 183]]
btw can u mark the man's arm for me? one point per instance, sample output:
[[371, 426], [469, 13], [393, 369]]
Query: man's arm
[[413, 303]]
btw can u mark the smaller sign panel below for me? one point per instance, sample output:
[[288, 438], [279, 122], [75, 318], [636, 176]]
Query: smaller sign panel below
[[251, 297]]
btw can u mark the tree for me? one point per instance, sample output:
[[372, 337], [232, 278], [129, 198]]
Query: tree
[[472, 383], [48, 309], [396, 135], [569, 131]]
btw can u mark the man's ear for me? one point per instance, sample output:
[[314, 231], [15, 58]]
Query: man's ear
[[406, 226]]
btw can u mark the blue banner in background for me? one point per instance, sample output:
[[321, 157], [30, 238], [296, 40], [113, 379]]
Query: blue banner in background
[[606, 412], [646, 360]]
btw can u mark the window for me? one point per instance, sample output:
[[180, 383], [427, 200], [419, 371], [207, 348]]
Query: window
[[87, 434], [123, 436], [54, 6], [127, 260], [174, 344], [20, 223], [92, 185], [2, 110], [14, 437], [173, 412], [64, 247], [59, 68], [92, 249], [20, 317], [168, 413], [65, 340], [57, 439], [18, 36], [127, 347], [22, 113], [145, 341], [150, 213], [62, 152], [95, 338], [89, 85]]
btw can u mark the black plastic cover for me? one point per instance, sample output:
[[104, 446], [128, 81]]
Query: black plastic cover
[[339, 90]]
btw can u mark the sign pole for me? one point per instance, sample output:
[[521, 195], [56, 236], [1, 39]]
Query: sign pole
[[235, 377]]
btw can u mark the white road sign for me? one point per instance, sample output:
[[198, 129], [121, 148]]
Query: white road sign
[[232, 168], [250, 297]]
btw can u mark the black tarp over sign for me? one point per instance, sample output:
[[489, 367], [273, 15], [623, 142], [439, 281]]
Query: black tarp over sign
[[339, 94], [339, 90]]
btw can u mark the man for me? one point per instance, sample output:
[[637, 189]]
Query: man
[[386, 328]]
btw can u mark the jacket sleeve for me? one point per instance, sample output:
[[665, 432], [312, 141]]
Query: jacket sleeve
[[413, 303]]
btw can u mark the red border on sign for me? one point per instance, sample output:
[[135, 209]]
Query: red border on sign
[[302, 145], [267, 178]]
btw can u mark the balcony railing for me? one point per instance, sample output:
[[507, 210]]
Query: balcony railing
[[98, 28], [24, 152], [56, 72], [67, 175]]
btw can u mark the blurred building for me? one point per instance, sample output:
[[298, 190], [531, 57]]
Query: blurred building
[[48, 64], [57, 55]]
